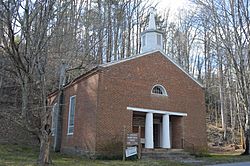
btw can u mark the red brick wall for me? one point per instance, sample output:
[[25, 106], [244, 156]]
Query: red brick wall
[[130, 83], [100, 119], [83, 139], [177, 131]]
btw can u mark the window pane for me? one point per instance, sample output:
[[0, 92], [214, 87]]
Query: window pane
[[71, 129], [159, 90], [72, 111], [71, 115]]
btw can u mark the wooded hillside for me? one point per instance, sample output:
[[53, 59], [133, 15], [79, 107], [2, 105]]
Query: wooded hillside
[[209, 39]]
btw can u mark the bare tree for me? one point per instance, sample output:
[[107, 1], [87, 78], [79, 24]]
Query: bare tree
[[231, 31], [26, 31]]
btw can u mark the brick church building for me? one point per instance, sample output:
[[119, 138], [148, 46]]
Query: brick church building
[[148, 90]]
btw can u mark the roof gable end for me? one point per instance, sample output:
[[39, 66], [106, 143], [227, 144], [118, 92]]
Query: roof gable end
[[148, 53]]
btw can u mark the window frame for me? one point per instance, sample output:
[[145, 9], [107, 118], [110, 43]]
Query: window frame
[[69, 126], [164, 92]]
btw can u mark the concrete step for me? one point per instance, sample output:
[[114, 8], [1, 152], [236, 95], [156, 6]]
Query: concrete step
[[165, 151], [170, 154]]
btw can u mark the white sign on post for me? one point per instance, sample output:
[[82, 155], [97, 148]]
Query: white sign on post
[[130, 151]]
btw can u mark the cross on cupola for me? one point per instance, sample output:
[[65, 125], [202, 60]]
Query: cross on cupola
[[151, 38]]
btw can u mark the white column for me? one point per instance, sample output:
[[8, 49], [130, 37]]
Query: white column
[[149, 138], [165, 131]]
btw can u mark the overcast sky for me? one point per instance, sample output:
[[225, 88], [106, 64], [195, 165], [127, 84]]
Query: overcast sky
[[173, 5]]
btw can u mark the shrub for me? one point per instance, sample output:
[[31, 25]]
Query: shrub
[[111, 149]]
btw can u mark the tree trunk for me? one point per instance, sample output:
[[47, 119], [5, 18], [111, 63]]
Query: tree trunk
[[247, 150], [109, 34], [25, 92], [44, 155], [45, 130], [116, 39], [232, 110], [128, 51], [100, 35]]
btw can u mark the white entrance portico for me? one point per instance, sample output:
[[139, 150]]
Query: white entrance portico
[[165, 127]]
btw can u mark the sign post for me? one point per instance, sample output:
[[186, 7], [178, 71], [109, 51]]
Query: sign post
[[131, 144]]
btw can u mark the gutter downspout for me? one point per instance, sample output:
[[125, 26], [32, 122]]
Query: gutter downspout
[[59, 117]]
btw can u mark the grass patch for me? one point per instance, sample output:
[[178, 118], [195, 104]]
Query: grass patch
[[15, 155], [223, 158]]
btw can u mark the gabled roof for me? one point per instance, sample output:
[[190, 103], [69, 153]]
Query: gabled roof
[[88, 73], [149, 53], [99, 67]]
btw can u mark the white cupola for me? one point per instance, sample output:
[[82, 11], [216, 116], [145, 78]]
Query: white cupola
[[151, 38]]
